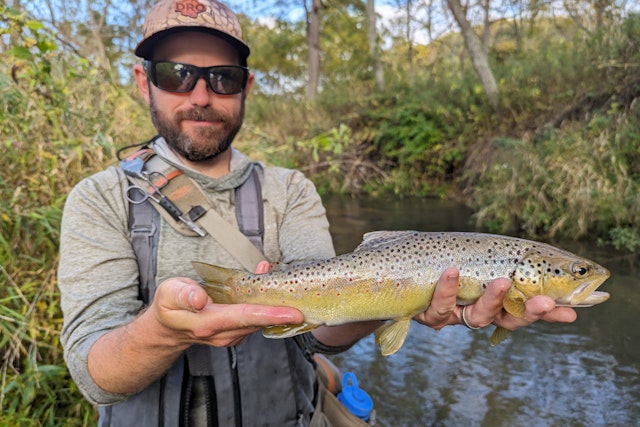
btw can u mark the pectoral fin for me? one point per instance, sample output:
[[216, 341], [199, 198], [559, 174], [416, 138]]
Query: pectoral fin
[[513, 302], [287, 331], [499, 335], [391, 335]]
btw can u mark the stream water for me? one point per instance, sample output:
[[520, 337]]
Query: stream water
[[582, 374]]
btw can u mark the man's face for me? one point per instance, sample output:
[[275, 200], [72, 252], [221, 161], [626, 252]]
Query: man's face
[[200, 124]]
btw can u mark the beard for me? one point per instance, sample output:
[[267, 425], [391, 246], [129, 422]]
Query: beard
[[206, 143]]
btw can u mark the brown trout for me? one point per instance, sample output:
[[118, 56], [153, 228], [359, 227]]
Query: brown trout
[[392, 276]]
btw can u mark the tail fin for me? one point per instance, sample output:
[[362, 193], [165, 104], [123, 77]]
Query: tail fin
[[218, 281]]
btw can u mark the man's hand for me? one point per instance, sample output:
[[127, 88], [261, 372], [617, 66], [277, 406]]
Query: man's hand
[[187, 314], [488, 309], [129, 358]]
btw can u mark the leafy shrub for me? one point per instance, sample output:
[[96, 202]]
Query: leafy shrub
[[57, 121]]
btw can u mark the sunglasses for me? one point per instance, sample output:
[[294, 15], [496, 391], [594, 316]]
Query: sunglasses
[[181, 78]]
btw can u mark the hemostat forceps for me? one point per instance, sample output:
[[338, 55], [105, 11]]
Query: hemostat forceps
[[156, 181]]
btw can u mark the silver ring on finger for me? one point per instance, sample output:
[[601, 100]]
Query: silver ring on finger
[[464, 319]]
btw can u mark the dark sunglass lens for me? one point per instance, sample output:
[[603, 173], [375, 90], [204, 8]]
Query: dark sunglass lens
[[227, 80], [175, 77]]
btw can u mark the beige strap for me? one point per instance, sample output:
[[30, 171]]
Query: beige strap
[[185, 194], [236, 243]]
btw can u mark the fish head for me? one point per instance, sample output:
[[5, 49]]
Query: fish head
[[566, 278]]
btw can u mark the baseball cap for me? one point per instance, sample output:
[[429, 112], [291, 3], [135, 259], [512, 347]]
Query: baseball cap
[[170, 16]]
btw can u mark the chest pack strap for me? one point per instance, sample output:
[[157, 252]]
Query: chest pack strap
[[185, 206], [143, 224], [245, 243], [250, 210]]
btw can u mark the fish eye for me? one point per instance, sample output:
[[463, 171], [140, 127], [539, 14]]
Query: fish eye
[[579, 269]]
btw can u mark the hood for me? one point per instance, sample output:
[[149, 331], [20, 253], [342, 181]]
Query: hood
[[240, 169]]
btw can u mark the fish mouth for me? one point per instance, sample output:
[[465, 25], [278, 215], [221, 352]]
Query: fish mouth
[[593, 298], [586, 295]]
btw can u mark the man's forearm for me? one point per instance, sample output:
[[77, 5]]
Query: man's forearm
[[345, 335], [129, 358]]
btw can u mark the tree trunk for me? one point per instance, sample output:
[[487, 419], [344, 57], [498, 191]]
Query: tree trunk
[[409, 44], [313, 42], [374, 51], [479, 57], [97, 29]]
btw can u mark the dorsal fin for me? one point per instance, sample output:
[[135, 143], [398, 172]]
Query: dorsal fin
[[377, 239]]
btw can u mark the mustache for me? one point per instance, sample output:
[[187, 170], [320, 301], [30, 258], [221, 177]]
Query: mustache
[[201, 114]]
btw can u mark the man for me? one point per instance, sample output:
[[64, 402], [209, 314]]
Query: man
[[183, 360]]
